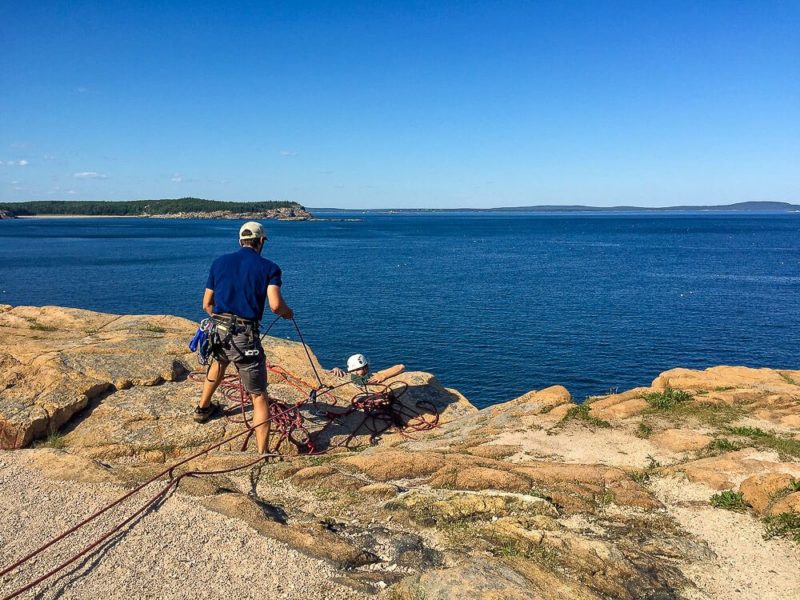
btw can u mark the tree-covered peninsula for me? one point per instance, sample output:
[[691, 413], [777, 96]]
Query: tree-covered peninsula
[[178, 207]]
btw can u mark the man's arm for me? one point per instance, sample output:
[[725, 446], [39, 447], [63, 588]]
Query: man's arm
[[208, 301], [387, 374], [276, 302]]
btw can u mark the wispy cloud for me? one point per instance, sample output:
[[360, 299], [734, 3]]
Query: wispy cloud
[[15, 163], [177, 178], [288, 153], [90, 175]]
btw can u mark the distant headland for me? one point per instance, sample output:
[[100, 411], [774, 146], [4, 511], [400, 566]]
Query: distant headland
[[179, 208], [737, 207]]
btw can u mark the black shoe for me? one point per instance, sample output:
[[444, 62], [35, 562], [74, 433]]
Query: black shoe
[[201, 415]]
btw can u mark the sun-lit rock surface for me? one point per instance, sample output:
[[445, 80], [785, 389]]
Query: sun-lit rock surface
[[622, 497]]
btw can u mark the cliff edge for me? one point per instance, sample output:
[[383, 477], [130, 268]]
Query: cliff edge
[[687, 488]]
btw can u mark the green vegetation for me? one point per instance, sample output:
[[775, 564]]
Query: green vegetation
[[713, 414], [644, 430], [516, 548], [753, 432], [359, 448], [34, 324], [316, 461], [581, 412], [788, 379], [668, 399], [153, 328], [643, 476], [729, 500], [134, 208], [723, 445], [54, 440], [783, 525], [786, 447]]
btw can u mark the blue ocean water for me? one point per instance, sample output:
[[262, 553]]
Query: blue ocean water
[[495, 304]]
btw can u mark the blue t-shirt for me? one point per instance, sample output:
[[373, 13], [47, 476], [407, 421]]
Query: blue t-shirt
[[240, 281]]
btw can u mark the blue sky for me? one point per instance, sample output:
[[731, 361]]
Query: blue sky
[[408, 104]]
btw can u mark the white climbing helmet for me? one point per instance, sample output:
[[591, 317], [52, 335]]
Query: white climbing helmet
[[356, 362]]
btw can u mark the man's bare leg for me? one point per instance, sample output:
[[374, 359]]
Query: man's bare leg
[[260, 415], [213, 379]]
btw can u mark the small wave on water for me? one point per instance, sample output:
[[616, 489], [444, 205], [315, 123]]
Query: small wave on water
[[768, 279]]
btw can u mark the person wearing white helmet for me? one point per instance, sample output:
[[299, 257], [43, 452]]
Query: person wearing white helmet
[[239, 286], [358, 369]]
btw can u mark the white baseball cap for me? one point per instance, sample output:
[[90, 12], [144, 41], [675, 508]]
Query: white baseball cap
[[251, 231]]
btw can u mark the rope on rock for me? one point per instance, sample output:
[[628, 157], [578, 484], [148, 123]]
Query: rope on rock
[[381, 409]]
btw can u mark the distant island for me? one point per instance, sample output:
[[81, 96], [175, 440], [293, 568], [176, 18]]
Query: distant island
[[738, 207], [179, 208]]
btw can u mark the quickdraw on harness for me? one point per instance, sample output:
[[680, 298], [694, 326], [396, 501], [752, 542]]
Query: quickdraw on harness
[[202, 342]]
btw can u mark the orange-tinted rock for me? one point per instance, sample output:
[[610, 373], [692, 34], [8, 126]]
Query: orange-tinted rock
[[759, 490], [788, 504], [498, 451], [387, 465], [620, 410], [723, 471], [681, 440], [481, 478]]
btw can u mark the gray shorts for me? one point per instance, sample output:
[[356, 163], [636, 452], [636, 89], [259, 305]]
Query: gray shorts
[[244, 350]]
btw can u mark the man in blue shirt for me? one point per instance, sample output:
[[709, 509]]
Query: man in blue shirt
[[239, 285]]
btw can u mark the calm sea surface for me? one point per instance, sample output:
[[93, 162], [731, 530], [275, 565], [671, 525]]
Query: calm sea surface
[[494, 304]]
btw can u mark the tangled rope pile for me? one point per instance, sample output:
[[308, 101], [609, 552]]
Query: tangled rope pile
[[381, 411]]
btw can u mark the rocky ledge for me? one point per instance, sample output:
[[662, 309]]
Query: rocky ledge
[[687, 488], [281, 214]]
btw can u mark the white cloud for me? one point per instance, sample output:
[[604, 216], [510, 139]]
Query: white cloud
[[14, 163], [288, 153], [177, 178], [90, 175], [71, 192], [22, 163]]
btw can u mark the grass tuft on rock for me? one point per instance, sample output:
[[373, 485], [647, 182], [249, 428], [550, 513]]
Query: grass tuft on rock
[[729, 500], [786, 447], [54, 440], [581, 412], [153, 328], [667, 399], [644, 430], [785, 525], [723, 445]]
